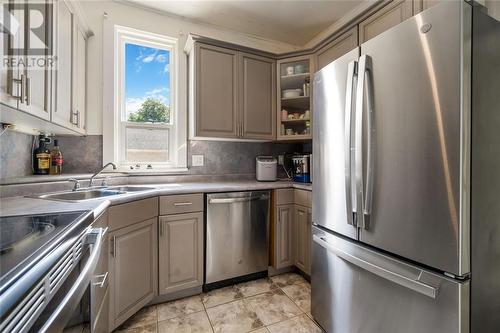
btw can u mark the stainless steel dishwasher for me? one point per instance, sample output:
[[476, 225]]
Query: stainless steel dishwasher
[[237, 237]]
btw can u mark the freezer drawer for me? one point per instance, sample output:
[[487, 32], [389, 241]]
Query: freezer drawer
[[236, 235], [357, 290]]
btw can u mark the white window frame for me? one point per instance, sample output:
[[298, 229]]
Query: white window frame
[[115, 142]]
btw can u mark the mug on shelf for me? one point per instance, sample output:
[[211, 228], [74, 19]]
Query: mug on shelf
[[289, 70]]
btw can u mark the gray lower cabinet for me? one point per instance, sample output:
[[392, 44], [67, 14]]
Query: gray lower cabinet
[[181, 252], [101, 323], [302, 238], [292, 230], [99, 288], [133, 271], [284, 236]]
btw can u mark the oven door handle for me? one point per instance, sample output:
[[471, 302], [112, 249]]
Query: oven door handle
[[64, 310]]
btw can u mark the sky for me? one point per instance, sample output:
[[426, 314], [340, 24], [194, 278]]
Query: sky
[[146, 75]]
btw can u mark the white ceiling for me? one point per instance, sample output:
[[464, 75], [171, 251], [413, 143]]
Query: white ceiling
[[291, 21]]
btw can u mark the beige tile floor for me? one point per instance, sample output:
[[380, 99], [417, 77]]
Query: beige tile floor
[[280, 304]]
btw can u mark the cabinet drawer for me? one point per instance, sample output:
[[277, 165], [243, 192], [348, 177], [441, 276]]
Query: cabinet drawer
[[126, 214], [100, 319], [284, 196], [303, 198], [100, 278], [182, 203]]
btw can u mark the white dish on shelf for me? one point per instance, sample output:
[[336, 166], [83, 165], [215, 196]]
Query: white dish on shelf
[[290, 93]]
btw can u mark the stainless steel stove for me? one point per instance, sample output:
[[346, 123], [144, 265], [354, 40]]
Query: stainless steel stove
[[46, 262], [22, 237]]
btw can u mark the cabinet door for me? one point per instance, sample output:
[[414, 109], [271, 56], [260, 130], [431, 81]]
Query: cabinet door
[[337, 48], [309, 241], [79, 77], [301, 238], [216, 82], [257, 96], [38, 84], [10, 87], [384, 19], [134, 269], [181, 252], [421, 5], [61, 114], [284, 236]]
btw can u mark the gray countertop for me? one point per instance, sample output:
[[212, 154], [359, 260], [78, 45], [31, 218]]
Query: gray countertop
[[12, 206]]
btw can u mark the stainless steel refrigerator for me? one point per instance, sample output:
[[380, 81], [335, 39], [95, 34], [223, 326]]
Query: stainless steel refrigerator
[[406, 198]]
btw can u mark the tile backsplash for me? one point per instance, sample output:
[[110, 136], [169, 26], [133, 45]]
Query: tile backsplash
[[84, 155], [15, 154]]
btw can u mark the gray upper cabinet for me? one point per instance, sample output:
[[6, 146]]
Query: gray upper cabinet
[[181, 252], [78, 113], [387, 17], [232, 94], [215, 102], [52, 98], [26, 88], [421, 5], [337, 48], [133, 269], [38, 80], [257, 96]]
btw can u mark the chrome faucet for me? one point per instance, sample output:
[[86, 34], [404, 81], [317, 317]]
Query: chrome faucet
[[98, 172]]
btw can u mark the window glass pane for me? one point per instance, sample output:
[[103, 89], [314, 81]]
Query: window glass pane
[[147, 144], [147, 84]]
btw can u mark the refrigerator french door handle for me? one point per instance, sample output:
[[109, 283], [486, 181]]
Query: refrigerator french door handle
[[350, 200], [400, 279], [367, 210], [364, 67]]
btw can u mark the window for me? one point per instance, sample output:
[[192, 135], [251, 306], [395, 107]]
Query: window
[[146, 117]]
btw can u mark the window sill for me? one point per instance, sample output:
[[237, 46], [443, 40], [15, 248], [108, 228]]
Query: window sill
[[149, 172]]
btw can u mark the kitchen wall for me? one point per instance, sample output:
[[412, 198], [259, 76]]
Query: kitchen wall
[[84, 155]]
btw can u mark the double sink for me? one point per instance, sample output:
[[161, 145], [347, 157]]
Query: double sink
[[92, 193]]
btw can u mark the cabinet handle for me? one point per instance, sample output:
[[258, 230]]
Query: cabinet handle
[[113, 247], [183, 203], [76, 115], [101, 284], [161, 228], [22, 83], [28, 91]]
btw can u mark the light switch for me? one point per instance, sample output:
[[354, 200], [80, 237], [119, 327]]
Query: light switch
[[197, 160]]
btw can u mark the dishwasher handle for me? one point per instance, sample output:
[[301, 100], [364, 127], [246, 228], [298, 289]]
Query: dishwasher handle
[[234, 200]]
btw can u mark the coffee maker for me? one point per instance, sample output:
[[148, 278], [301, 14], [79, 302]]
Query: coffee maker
[[301, 168]]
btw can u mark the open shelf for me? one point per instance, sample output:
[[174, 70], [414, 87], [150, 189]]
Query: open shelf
[[301, 102], [294, 105], [294, 81], [294, 120]]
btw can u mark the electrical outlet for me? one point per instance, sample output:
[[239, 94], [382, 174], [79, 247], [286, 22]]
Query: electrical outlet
[[197, 160], [281, 159]]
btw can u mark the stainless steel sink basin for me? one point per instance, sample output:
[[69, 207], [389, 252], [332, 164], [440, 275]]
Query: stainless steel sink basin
[[130, 188], [80, 195]]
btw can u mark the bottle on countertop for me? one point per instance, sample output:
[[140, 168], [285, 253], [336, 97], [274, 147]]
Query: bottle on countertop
[[41, 157], [56, 159]]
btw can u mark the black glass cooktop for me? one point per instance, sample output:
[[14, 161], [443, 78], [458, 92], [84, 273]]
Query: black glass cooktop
[[23, 236]]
